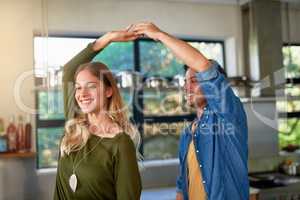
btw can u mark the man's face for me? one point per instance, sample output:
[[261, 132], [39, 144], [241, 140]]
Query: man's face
[[193, 93]]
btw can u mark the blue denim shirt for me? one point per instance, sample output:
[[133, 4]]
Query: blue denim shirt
[[221, 141]]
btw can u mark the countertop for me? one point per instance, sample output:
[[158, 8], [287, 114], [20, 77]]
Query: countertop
[[169, 193]]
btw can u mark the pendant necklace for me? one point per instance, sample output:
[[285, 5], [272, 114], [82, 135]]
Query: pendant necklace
[[73, 178]]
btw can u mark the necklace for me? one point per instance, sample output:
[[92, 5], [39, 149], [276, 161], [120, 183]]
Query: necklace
[[73, 178]]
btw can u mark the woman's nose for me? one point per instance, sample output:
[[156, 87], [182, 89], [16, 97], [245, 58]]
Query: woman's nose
[[84, 91]]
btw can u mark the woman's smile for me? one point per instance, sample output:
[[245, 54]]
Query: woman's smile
[[85, 101]]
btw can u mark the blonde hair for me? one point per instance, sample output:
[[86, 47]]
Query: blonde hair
[[76, 130]]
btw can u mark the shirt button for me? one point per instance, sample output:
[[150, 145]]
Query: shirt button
[[202, 125], [200, 166], [195, 135], [204, 108], [197, 151], [203, 182]]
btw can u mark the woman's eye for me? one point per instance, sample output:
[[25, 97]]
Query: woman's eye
[[77, 88], [92, 86]]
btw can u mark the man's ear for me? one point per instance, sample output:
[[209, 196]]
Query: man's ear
[[108, 92]]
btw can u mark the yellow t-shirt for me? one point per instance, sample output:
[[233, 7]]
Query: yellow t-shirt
[[196, 188]]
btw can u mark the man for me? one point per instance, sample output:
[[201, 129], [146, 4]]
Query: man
[[213, 150]]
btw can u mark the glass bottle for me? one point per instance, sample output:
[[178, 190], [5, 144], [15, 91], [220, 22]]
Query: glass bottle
[[3, 138], [28, 132], [12, 135], [1, 127], [21, 134]]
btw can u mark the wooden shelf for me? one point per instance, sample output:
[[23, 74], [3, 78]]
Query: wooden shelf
[[17, 155]]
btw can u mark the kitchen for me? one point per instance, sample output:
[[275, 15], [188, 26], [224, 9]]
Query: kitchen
[[254, 40]]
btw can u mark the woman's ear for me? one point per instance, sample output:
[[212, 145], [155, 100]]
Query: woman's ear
[[108, 92]]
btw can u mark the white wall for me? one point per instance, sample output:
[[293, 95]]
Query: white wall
[[16, 53], [21, 19], [291, 13]]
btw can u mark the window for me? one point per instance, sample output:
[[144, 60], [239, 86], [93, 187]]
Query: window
[[289, 109], [291, 60], [156, 104], [164, 108], [161, 140], [54, 52]]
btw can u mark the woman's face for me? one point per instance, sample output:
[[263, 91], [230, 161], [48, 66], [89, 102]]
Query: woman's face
[[90, 93]]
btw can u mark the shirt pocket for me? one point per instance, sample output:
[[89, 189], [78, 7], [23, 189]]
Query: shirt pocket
[[204, 133]]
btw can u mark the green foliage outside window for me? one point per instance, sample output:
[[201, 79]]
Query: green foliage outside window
[[117, 56], [161, 139], [289, 133], [157, 60], [50, 105], [291, 61], [48, 142], [289, 129]]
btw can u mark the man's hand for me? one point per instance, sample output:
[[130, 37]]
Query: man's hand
[[181, 49], [179, 196], [146, 28], [114, 36]]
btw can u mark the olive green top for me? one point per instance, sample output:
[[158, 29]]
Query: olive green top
[[110, 171]]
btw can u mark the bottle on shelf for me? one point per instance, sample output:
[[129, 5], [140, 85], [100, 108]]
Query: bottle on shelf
[[21, 135], [28, 132], [3, 138], [12, 136], [1, 127]]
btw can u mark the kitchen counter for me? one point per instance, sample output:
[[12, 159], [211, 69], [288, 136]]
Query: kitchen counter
[[253, 191], [274, 185], [169, 193]]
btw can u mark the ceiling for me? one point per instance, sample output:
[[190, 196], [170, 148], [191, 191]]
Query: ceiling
[[230, 2]]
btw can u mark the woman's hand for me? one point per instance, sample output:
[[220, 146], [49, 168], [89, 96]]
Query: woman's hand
[[122, 36], [148, 29], [114, 36]]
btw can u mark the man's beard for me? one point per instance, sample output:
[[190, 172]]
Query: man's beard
[[195, 103]]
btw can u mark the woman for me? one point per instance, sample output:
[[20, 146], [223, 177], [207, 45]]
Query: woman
[[97, 152]]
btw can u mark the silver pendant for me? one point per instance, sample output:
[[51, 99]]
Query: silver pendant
[[73, 182]]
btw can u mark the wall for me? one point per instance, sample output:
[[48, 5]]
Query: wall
[[20, 20], [291, 13], [17, 179]]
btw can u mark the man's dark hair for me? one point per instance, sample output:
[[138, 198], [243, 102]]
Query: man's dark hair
[[220, 69]]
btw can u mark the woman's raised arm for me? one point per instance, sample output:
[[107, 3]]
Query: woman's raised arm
[[86, 55]]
